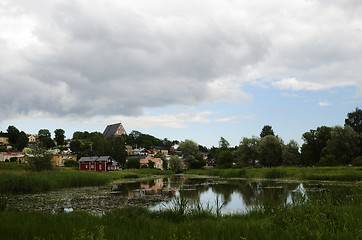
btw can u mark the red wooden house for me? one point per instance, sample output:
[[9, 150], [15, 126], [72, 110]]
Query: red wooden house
[[101, 163]]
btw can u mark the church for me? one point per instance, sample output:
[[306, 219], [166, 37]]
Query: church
[[114, 129]]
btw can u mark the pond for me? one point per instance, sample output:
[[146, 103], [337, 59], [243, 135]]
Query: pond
[[159, 193]]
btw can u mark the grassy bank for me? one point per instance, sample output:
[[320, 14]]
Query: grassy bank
[[305, 173], [334, 215], [31, 182]]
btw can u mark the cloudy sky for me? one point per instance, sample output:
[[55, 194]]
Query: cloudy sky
[[180, 69]]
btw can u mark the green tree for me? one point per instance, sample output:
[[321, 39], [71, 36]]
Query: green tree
[[77, 135], [270, 151], [151, 164], [59, 136], [247, 152], [117, 149], [13, 134], [133, 163], [40, 160], [290, 154], [267, 130], [314, 142], [225, 159], [343, 144], [223, 144], [76, 146], [45, 138], [43, 133], [175, 164], [164, 163], [98, 144], [21, 141], [191, 154], [354, 119]]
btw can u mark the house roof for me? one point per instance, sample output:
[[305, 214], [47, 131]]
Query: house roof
[[145, 160], [2, 134], [161, 148], [94, 159], [114, 129]]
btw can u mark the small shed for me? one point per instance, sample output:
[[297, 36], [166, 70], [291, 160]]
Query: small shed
[[98, 163]]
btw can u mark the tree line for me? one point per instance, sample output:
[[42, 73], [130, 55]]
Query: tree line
[[324, 146]]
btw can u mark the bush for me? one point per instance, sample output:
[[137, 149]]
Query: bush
[[328, 160], [133, 163], [13, 159], [357, 161], [176, 164], [257, 166], [40, 160], [71, 163], [225, 159], [275, 173]]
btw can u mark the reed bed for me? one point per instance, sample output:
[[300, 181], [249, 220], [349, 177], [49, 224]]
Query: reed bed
[[303, 173], [32, 182]]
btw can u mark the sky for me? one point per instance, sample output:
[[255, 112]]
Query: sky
[[196, 70]]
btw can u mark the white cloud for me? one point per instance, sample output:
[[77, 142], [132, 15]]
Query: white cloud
[[84, 59], [324, 104], [288, 95]]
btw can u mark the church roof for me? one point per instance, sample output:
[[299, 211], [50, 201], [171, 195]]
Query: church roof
[[114, 129]]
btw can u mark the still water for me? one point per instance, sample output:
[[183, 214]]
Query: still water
[[236, 195]]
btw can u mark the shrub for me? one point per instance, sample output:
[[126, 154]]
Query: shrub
[[357, 161], [13, 159], [40, 160], [176, 164], [328, 160], [71, 163], [275, 173], [225, 159], [257, 166], [133, 163]]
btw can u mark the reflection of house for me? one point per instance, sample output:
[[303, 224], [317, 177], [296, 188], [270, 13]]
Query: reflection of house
[[114, 129], [59, 159], [157, 161], [102, 163], [5, 156], [4, 138]]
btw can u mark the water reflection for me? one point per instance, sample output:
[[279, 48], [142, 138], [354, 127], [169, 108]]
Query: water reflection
[[238, 195]]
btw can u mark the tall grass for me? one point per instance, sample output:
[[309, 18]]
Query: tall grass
[[326, 215], [31, 182], [305, 173]]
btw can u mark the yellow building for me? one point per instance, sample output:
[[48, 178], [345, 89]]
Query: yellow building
[[4, 138], [33, 139], [59, 159]]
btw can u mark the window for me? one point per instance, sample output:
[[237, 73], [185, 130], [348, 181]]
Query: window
[[86, 166], [100, 167]]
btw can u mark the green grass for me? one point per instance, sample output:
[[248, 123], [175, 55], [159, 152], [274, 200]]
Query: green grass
[[5, 166], [305, 173], [327, 215], [31, 182]]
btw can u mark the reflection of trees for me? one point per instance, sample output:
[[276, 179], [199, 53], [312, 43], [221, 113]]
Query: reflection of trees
[[267, 193], [193, 187], [225, 190]]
